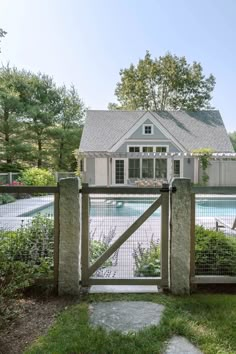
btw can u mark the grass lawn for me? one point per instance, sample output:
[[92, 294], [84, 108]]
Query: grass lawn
[[208, 321]]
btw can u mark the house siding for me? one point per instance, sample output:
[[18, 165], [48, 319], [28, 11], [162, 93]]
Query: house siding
[[139, 139], [189, 169], [138, 134], [89, 175], [101, 171]]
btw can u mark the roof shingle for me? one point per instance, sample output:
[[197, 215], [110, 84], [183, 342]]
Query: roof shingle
[[194, 130]]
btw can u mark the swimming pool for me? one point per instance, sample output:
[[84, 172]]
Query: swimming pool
[[126, 207]]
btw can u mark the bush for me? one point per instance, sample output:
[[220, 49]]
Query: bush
[[96, 249], [6, 198], [147, 260], [25, 255], [37, 177], [215, 253]]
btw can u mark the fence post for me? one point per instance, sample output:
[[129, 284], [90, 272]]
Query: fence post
[[85, 237], [69, 246], [180, 236], [10, 177], [56, 240], [164, 234]]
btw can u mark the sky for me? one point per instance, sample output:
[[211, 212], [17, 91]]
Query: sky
[[87, 42]]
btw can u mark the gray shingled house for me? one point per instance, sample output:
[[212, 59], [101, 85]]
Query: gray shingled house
[[139, 147]]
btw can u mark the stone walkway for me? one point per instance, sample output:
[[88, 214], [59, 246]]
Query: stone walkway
[[180, 345], [132, 316], [125, 316]]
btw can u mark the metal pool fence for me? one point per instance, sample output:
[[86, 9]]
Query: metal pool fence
[[214, 234], [29, 227]]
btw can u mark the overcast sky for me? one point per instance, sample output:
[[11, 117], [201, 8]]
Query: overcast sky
[[87, 42]]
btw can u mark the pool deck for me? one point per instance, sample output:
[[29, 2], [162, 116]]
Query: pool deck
[[11, 214]]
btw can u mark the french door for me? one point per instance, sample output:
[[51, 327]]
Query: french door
[[119, 173]]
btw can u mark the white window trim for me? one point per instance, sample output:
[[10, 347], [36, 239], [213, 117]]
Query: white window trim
[[148, 125], [136, 145], [153, 146], [114, 171]]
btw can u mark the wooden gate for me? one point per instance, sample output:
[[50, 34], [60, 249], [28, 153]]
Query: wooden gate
[[88, 270]]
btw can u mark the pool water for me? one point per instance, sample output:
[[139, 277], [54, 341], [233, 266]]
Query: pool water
[[110, 207]]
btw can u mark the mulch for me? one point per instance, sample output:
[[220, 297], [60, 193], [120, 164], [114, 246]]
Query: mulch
[[33, 317]]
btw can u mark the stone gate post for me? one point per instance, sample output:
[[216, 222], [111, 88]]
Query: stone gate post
[[69, 240], [180, 236]]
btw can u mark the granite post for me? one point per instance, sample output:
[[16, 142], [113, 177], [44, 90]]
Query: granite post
[[180, 236], [69, 241]]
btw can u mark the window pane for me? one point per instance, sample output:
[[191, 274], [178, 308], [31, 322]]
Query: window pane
[[81, 165], [176, 168], [134, 149], [161, 168], [161, 149], [134, 168], [120, 172], [147, 168], [148, 129], [147, 148]]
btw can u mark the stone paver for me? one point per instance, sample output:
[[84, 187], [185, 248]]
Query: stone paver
[[123, 289], [180, 345], [125, 316]]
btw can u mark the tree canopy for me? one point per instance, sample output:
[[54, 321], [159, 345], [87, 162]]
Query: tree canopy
[[40, 123], [166, 83]]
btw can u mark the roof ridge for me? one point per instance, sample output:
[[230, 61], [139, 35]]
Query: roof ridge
[[159, 110]]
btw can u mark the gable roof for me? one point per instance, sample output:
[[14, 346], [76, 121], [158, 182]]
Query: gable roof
[[193, 130]]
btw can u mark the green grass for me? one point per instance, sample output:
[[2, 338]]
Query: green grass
[[208, 321]]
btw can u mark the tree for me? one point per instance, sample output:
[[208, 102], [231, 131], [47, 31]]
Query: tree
[[233, 139], [164, 84], [40, 124], [2, 34], [43, 106], [13, 88], [67, 132]]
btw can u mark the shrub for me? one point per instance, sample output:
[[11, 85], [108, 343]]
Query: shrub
[[6, 198], [25, 254], [147, 260], [215, 253], [37, 177], [97, 248]]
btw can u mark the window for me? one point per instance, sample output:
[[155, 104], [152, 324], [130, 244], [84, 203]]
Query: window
[[148, 149], [134, 149], [147, 168], [148, 129], [120, 178], [134, 168], [81, 165], [176, 168], [161, 168], [161, 149]]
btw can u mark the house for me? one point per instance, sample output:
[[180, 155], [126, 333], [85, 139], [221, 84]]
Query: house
[[131, 147]]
